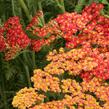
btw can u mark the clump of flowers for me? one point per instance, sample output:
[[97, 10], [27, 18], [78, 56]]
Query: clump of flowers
[[75, 28], [62, 78], [85, 27], [74, 94], [15, 35], [84, 61], [2, 41], [45, 33], [26, 98], [13, 38], [45, 81]]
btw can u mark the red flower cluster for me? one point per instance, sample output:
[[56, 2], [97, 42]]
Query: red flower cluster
[[2, 40], [15, 35], [46, 34], [12, 38], [73, 27], [102, 71], [87, 26]]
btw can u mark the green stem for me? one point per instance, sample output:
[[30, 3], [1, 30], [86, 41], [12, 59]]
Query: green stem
[[0, 22], [80, 5], [2, 92], [24, 7], [28, 75], [2, 85], [60, 4], [27, 72], [34, 59], [90, 1], [28, 3], [13, 8], [39, 5], [25, 59], [27, 69]]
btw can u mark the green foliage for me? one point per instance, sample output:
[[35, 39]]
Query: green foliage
[[104, 1]]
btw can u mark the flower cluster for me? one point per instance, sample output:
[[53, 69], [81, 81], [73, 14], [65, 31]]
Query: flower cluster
[[86, 95], [45, 34], [75, 28], [81, 95], [75, 61], [85, 61], [85, 27], [13, 38], [44, 81], [15, 35], [2, 41], [26, 97]]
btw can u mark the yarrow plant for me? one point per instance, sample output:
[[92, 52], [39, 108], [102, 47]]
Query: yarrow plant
[[85, 30], [60, 79], [74, 28], [75, 76]]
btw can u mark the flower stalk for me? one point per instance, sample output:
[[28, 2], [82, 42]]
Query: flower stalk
[[60, 4], [39, 6], [79, 6], [2, 93], [24, 7]]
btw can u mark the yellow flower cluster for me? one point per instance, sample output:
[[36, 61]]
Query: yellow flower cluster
[[26, 97], [71, 86]]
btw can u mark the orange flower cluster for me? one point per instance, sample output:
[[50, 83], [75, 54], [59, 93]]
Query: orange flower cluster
[[84, 95], [93, 94], [85, 61], [45, 81], [74, 61], [97, 86]]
